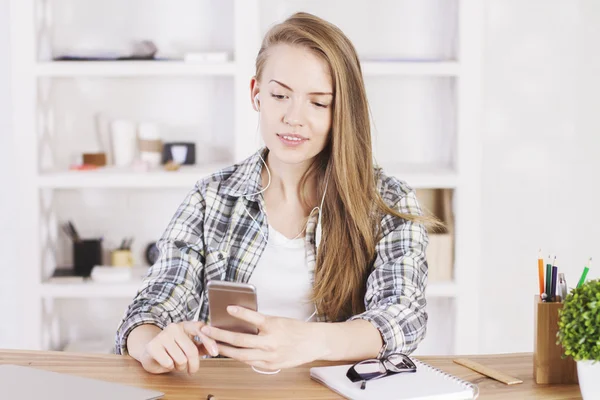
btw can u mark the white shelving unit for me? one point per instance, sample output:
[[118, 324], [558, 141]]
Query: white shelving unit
[[186, 177], [86, 290], [109, 177], [178, 68], [71, 69], [128, 290], [32, 76]]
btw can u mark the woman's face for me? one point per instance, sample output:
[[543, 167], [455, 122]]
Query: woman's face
[[295, 102]]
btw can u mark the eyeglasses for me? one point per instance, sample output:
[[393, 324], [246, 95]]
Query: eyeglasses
[[375, 368]]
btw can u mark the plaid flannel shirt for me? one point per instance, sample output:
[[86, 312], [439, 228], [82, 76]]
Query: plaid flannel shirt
[[211, 236]]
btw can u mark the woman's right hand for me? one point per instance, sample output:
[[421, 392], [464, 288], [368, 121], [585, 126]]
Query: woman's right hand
[[174, 348]]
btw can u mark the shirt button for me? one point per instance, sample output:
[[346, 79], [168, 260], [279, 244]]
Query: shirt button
[[220, 256]]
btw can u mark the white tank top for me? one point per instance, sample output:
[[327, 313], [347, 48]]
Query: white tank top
[[282, 279]]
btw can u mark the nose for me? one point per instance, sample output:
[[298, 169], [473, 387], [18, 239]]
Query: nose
[[294, 115]]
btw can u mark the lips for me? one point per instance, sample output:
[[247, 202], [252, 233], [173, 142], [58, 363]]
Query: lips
[[291, 139], [291, 136]]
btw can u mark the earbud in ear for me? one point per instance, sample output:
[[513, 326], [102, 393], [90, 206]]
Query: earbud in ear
[[256, 103]]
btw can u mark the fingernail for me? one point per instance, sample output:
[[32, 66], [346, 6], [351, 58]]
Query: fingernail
[[232, 309], [214, 351], [206, 330]]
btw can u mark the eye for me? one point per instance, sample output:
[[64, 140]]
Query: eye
[[278, 96], [321, 105]]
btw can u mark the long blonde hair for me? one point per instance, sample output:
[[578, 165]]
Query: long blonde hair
[[353, 206]]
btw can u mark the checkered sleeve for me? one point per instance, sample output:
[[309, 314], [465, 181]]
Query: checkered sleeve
[[395, 296], [170, 291]]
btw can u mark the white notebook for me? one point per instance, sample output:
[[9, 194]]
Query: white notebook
[[427, 383]]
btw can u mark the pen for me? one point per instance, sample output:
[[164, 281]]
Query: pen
[[548, 280], [541, 272], [68, 231], [553, 284], [562, 286], [74, 231], [584, 274]]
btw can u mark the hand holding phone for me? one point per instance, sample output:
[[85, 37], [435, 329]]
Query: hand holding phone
[[222, 294]]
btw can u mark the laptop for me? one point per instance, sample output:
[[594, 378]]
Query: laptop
[[24, 383]]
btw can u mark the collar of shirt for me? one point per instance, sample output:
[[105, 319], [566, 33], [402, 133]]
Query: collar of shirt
[[245, 181], [246, 178]]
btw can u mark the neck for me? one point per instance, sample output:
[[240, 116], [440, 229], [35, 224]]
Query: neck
[[285, 178]]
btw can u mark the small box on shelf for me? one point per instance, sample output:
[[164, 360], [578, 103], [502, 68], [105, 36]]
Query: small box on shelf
[[440, 251]]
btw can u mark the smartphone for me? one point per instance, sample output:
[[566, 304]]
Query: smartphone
[[222, 294]]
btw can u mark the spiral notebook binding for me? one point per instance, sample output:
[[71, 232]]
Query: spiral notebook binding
[[462, 382]]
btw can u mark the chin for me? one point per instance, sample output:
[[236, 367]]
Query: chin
[[292, 155]]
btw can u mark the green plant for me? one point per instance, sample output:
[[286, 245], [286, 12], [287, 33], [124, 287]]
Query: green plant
[[579, 322]]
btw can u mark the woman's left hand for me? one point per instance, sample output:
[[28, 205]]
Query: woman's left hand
[[280, 342]]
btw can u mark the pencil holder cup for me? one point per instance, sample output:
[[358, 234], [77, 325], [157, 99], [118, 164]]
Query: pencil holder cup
[[548, 364], [86, 254], [121, 258]]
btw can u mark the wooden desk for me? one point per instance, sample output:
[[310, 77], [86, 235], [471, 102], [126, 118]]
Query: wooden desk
[[229, 379]]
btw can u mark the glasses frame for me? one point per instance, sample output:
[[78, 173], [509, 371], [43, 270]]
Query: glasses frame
[[389, 367]]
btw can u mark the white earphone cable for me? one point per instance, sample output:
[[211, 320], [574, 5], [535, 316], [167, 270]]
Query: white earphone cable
[[319, 208], [260, 230]]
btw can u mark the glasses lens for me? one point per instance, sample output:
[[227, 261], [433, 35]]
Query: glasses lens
[[369, 369], [399, 362]]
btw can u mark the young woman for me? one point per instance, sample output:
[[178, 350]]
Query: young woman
[[308, 220]]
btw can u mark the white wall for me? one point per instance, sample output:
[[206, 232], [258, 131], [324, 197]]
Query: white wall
[[8, 260], [541, 143]]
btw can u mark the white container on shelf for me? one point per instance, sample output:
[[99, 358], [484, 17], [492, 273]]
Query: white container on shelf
[[150, 144], [124, 142]]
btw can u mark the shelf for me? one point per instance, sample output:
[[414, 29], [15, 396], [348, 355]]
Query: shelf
[[131, 68], [186, 177], [440, 68], [181, 68], [111, 177], [423, 177], [129, 289], [75, 290]]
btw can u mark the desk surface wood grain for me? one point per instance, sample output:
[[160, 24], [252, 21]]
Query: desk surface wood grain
[[229, 379]]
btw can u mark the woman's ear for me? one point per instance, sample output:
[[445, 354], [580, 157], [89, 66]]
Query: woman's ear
[[256, 102], [254, 93]]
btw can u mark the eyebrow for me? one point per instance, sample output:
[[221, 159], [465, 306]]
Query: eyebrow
[[289, 88]]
